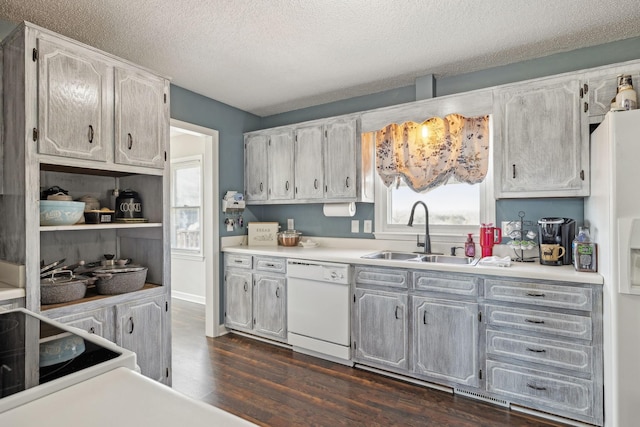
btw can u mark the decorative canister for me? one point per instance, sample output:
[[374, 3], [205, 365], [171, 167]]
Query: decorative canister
[[128, 205], [627, 99]]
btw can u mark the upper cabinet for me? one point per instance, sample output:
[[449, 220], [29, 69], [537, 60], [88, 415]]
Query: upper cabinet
[[541, 140], [94, 107], [141, 111], [74, 103], [601, 87], [322, 161]]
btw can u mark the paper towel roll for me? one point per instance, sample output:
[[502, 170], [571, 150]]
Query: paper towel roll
[[339, 209]]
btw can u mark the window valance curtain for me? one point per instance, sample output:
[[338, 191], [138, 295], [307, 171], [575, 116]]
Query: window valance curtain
[[425, 155]]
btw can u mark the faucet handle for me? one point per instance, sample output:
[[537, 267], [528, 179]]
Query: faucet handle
[[420, 245]]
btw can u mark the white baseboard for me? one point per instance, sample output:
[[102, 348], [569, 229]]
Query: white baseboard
[[188, 297]]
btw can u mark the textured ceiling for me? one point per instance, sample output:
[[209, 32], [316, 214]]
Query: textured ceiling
[[272, 56]]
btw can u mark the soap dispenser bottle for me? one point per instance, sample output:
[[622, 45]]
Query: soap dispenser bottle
[[470, 246]]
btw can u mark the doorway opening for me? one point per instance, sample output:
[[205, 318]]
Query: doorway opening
[[195, 251]]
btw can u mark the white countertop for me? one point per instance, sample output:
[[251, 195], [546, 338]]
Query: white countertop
[[10, 292], [352, 255], [120, 397]]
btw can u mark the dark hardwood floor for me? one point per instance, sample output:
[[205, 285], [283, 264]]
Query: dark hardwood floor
[[273, 386]]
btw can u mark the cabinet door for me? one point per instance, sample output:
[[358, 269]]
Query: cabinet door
[[141, 327], [445, 340], [340, 159], [280, 171], [255, 167], [542, 140], [603, 86], [74, 116], [237, 311], [141, 119], [99, 322], [269, 306], [380, 328], [309, 165]]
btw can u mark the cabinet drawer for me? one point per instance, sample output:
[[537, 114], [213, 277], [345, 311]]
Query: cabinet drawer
[[547, 352], [449, 284], [559, 324], [238, 261], [274, 265], [388, 277], [557, 296], [541, 389]]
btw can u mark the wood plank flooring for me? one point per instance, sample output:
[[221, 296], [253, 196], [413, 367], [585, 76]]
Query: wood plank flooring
[[273, 386]]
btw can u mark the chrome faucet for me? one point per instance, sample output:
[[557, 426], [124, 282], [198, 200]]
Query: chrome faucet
[[427, 238]]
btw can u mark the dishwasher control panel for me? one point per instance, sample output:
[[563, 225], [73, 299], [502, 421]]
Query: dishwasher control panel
[[318, 271]]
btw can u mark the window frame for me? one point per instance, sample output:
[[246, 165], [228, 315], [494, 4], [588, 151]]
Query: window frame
[[184, 163], [438, 233]]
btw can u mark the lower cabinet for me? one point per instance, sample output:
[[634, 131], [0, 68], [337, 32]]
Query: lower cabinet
[[445, 340], [140, 327], [256, 295], [380, 328]]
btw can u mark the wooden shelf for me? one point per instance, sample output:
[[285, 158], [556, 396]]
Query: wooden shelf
[[93, 295], [112, 225]]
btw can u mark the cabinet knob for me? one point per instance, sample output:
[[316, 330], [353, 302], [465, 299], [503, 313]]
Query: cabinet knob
[[129, 141], [90, 134]]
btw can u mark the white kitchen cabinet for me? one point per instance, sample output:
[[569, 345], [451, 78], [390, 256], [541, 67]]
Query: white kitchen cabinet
[[601, 87], [541, 140], [255, 167], [280, 165], [55, 88], [446, 340], [256, 295], [74, 100], [340, 161], [141, 114], [270, 304], [140, 327], [380, 329], [238, 299], [309, 163]]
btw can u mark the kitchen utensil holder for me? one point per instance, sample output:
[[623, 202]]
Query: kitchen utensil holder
[[524, 228]]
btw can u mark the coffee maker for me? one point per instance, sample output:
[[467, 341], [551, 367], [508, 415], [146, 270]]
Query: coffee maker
[[556, 231]]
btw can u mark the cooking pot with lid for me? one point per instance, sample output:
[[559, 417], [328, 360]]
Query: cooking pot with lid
[[63, 286], [128, 205]]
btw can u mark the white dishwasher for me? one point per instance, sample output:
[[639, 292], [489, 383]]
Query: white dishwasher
[[318, 309]]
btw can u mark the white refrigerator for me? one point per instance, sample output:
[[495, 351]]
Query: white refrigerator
[[613, 213]]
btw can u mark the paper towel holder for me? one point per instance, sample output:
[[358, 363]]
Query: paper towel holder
[[347, 209]]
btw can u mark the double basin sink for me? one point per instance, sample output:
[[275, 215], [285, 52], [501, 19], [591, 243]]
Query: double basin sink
[[419, 257]]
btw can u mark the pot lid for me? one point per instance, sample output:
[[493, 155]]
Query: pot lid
[[66, 279]]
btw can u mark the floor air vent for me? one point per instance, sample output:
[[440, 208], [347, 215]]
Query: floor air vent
[[478, 396]]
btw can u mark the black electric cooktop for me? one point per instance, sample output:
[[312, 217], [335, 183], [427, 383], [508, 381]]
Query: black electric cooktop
[[33, 352]]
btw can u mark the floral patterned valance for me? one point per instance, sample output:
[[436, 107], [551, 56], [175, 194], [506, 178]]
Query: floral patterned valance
[[425, 155]]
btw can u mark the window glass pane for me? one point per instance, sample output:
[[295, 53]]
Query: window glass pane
[[186, 228], [451, 204], [187, 186]]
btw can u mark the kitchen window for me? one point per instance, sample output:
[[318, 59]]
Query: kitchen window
[[455, 209], [186, 206]]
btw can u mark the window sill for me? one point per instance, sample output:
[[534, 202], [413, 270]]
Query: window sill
[[457, 237]]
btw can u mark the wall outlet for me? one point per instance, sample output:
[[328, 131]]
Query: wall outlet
[[290, 224], [355, 226], [367, 226]]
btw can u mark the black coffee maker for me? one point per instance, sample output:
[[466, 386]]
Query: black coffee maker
[[559, 231]]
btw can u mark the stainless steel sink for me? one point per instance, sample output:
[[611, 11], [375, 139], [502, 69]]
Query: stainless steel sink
[[399, 256], [417, 257], [446, 259]]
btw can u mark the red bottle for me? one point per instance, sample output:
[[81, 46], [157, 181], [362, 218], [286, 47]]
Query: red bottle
[[489, 236]]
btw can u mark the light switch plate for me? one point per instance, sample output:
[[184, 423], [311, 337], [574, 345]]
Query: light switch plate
[[367, 226], [355, 226], [290, 224]]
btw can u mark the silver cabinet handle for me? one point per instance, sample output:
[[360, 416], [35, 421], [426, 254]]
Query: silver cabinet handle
[[346, 182], [90, 134], [131, 325], [129, 141]]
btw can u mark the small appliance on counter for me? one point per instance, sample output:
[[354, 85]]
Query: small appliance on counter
[[556, 236]]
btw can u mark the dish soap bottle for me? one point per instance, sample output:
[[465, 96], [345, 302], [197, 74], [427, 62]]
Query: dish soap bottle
[[470, 246], [584, 251]]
